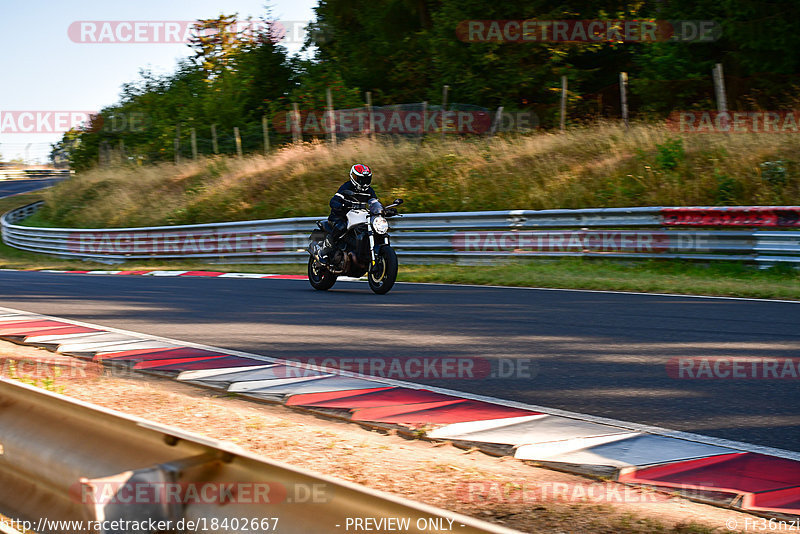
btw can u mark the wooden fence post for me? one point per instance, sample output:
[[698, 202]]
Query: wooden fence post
[[296, 132], [563, 122], [424, 118], [371, 123], [194, 143], [265, 129], [177, 144], [331, 117], [445, 89], [238, 141], [719, 88], [722, 99], [498, 118], [623, 96]]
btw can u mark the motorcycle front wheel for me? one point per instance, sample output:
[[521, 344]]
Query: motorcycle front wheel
[[318, 276], [382, 277]]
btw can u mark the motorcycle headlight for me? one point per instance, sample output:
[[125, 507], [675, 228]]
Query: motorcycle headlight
[[380, 225]]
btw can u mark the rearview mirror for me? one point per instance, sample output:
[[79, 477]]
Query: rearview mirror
[[398, 201]]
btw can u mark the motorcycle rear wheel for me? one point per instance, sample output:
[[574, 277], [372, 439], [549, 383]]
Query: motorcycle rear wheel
[[383, 276], [319, 277]]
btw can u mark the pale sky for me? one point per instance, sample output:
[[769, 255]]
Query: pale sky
[[47, 67]]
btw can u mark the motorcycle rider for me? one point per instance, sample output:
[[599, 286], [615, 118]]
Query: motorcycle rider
[[353, 194]]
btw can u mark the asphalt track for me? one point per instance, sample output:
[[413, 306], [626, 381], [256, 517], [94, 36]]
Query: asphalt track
[[603, 354], [15, 187]]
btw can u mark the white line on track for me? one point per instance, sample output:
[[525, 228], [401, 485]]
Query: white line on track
[[527, 288], [677, 295]]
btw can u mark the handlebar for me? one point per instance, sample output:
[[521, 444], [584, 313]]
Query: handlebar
[[386, 211]]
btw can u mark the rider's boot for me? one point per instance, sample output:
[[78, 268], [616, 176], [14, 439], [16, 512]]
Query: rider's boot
[[326, 251]]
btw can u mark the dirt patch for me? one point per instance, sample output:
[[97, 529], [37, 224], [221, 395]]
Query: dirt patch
[[501, 490]]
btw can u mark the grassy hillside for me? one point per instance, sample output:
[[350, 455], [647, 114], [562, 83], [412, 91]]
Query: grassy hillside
[[593, 166]]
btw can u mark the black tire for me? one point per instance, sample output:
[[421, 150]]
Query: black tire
[[382, 278], [319, 277]]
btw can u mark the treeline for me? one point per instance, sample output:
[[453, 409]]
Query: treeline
[[404, 51]]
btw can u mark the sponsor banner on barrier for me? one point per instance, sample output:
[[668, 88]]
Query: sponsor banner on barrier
[[729, 368], [735, 216], [599, 241], [178, 243]]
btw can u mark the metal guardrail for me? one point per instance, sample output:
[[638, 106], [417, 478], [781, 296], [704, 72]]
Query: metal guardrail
[[6, 174], [66, 460], [455, 237], [24, 212]]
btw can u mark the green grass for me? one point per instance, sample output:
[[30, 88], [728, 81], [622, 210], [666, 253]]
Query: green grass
[[649, 276]]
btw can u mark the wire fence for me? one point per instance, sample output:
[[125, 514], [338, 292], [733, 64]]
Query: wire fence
[[128, 138]]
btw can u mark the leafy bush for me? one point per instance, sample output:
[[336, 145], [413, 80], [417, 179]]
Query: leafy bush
[[670, 154]]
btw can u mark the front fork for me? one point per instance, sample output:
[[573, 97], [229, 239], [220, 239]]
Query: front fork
[[371, 247]]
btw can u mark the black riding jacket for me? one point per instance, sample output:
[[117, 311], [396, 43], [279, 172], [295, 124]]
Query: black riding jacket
[[347, 198]]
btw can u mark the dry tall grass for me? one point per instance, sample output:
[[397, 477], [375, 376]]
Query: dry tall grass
[[593, 166]]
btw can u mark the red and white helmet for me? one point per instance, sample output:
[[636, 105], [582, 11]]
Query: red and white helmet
[[360, 176]]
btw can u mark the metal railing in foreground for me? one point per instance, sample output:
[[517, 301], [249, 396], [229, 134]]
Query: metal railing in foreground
[[64, 460], [454, 237]]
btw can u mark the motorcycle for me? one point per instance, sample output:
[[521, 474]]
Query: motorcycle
[[364, 248]]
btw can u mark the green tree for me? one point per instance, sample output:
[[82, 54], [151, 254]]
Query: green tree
[[755, 44], [228, 82]]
